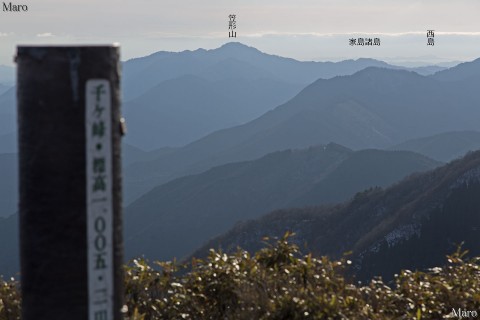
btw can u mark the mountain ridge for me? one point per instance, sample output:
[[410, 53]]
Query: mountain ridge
[[165, 65], [190, 209], [410, 225], [373, 108]]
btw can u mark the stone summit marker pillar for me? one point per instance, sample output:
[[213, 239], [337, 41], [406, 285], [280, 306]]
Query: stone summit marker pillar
[[70, 182]]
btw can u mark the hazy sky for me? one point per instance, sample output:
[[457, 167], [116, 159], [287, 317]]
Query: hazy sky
[[302, 29]]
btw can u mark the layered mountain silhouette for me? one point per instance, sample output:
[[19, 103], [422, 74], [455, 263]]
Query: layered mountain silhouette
[[444, 146], [373, 108], [410, 225], [228, 112], [176, 98], [181, 110], [236, 60], [176, 218], [359, 111], [190, 210]]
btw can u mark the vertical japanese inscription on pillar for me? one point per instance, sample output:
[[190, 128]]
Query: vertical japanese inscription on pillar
[[99, 199]]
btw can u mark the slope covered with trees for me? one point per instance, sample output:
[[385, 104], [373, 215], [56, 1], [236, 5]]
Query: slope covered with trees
[[411, 224]]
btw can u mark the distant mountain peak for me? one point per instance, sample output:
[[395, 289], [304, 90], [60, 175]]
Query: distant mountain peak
[[379, 71], [201, 50], [367, 59], [233, 44], [237, 46]]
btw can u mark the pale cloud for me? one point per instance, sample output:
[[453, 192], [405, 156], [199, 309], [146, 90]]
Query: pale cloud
[[386, 34], [45, 35]]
